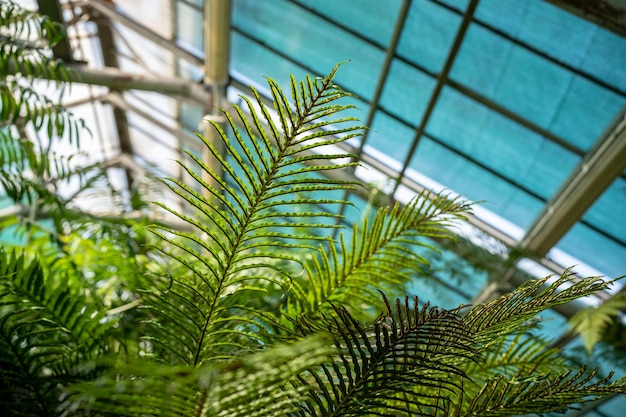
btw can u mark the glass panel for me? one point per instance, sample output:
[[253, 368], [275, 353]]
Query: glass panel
[[610, 207], [605, 248], [372, 20], [390, 136], [500, 144], [189, 27], [428, 34], [562, 35], [597, 251], [311, 43], [464, 177], [407, 92], [251, 63], [543, 92]]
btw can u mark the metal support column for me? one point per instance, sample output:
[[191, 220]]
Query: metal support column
[[217, 49], [109, 56]]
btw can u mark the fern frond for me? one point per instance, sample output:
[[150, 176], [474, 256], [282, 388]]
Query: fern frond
[[405, 356], [263, 384], [27, 40], [536, 393], [45, 330], [592, 322], [239, 228], [510, 311], [22, 104], [381, 256]]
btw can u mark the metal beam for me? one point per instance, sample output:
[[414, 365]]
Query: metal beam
[[609, 14], [604, 163], [110, 59], [118, 80], [105, 9]]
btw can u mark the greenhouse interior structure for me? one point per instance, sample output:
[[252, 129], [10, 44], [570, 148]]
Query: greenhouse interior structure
[[518, 106]]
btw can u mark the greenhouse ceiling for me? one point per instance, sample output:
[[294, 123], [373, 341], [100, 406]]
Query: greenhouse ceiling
[[517, 104]]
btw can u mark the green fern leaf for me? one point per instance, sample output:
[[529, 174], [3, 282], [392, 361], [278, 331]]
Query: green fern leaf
[[381, 256], [405, 356], [591, 323], [245, 222]]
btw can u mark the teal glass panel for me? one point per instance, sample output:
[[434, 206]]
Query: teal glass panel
[[585, 112], [428, 35], [613, 407], [407, 92], [251, 63], [596, 250], [605, 253], [475, 183], [449, 281], [608, 213], [500, 144], [561, 35], [374, 20], [311, 42], [197, 3], [190, 115], [189, 27], [390, 136], [543, 92]]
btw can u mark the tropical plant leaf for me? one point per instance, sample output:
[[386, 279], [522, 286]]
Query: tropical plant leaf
[[381, 256], [45, 331], [246, 224], [262, 384], [399, 364], [591, 323]]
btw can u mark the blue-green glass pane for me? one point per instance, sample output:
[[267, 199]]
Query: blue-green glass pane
[[596, 250], [585, 112], [407, 92], [373, 20], [189, 27], [468, 179], [500, 144], [390, 136], [561, 35], [548, 95], [310, 42], [449, 281], [614, 407], [251, 63], [608, 213], [428, 35]]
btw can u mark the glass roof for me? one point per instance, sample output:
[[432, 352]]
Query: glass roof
[[510, 103]]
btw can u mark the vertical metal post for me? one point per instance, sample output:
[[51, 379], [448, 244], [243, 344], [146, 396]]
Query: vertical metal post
[[216, 48]]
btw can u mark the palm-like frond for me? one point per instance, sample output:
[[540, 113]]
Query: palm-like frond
[[501, 316], [381, 256], [248, 222], [401, 363], [592, 323], [45, 330], [535, 393], [262, 384], [27, 38], [26, 55]]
